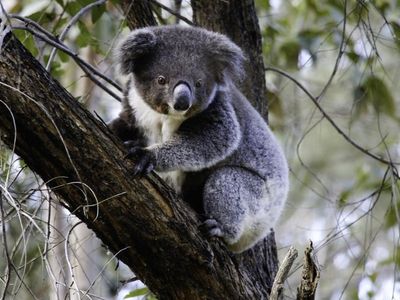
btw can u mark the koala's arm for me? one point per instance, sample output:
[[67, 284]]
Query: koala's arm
[[201, 141], [125, 128]]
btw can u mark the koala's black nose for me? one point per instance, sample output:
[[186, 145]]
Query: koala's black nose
[[182, 97], [182, 103]]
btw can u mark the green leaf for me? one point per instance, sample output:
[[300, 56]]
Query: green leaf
[[374, 92], [28, 41], [60, 24], [137, 292], [276, 109], [275, 104], [151, 297], [373, 276], [382, 5], [61, 2], [396, 29], [309, 35], [337, 4], [353, 56], [360, 105], [63, 56], [73, 7], [97, 12], [370, 294], [56, 70], [391, 217], [43, 18], [84, 38], [380, 96], [36, 16], [310, 39], [84, 3], [344, 197], [290, 50], [262, 4], [315, 6]]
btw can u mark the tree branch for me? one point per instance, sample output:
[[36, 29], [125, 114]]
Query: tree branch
[[331, 121], [89, 70], [283, 273], [138, 13], [67, 28], [310, 277], [238, 20], [172, 12]]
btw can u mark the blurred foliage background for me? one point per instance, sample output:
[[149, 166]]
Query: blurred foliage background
[[344, 55]]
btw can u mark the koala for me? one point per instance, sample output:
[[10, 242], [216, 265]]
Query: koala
[[184, 117]]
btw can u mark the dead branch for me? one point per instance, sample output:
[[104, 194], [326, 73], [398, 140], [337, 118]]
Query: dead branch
[[309, 278]]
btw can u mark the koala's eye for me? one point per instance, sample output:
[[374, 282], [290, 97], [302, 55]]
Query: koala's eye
[[161, 80], [198, 83]]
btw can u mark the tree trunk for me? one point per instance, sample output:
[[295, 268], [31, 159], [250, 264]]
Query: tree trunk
[[138, 13], [151, 229], [238, 20]]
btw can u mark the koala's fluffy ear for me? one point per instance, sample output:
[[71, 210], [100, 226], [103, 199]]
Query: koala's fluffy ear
[[137, 45], [229, 58]]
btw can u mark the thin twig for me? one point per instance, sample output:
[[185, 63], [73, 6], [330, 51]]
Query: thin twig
[[99, 83], [177, 9], [330, 120], [282, 273], [172, 12], [133, 279], [61, 46], [87, 68], [8, 265], [29, 22], [72, 22], [69, 264], [342, 47], [103, 269], [55, 42]]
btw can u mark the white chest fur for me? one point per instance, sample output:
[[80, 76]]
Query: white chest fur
[[158, 129]]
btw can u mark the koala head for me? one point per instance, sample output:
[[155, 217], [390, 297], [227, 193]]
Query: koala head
[[177, 70]]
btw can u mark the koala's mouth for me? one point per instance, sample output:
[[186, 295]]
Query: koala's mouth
[[179, 114], [162, 108], [165, 109]]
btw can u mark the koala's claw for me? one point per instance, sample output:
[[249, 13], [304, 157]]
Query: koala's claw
[[134, 150], [144, 160], [213, 228], [142, 167], [132, 144]]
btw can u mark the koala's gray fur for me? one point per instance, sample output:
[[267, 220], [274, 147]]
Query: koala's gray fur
[[184, 117]]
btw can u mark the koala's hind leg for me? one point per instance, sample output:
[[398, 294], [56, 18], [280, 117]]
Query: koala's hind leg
[[235, 205]]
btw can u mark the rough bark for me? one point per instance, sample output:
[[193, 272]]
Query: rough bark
[[238, 20], [150, 228], [138, 13], [309, 276]]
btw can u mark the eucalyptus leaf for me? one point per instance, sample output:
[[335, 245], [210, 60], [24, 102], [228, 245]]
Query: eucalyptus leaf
[[28, 41], [290, 51], [373, 92], [138, 292], [379, 95], [97, 12], [396, 30]]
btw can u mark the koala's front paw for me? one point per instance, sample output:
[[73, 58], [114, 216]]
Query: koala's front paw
[[132, 144], [213, 228], [144, 159]]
